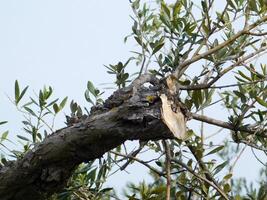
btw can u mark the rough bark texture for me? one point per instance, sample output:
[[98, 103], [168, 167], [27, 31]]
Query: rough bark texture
[[132, 113]]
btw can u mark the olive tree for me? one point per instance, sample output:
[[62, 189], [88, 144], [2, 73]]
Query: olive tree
[[192, 59]]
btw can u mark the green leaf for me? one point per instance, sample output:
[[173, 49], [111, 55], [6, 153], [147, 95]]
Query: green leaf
[[220, 167], [136, 4], [232, 3], [63, 102], [87, 97], [4, 136], [138, 40], [17, 92], [91, 87], [56, 108], [197, 98], [253, 5], [165, 8], [30, 111], [23, 138], [217, 149], [22, 94], [241, 95], [261, 101], [243, 75], [105, 190], [3, 122], [177, 8], [227, 188], [228, 176], [157, 48], [51, 103]]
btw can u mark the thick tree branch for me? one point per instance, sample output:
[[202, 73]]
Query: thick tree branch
[[44, 170], [132, 113]]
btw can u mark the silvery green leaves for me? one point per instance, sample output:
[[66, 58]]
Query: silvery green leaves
[[92, 91], [39, 112], [89, 177], [119, 71], [164, 35], [247, 102], [18, 94]]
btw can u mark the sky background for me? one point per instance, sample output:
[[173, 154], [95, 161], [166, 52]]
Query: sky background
[[65, 43]]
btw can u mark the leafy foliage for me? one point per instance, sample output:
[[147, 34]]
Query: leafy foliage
[[203, 46]]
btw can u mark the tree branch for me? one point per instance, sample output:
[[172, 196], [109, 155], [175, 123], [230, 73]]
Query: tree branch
[[46, 168], [183, 66], [225, 71], [227, 125], [168, 169]]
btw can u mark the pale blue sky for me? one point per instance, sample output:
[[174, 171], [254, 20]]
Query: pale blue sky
[[64, 43]]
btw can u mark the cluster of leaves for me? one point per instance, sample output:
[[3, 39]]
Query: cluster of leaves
[[39, 114], [119, 71], [87, 182], [91, 89], [186, 184], [247, 102], [152, 32], [168, 36]]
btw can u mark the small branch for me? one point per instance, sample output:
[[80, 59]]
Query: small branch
[[265, 165], [258, 34], [168, 168], [237, 158], [133, 154], [223, 124], [140, 161], [226, 86], [142, 43], [212, 121], [255, 146]]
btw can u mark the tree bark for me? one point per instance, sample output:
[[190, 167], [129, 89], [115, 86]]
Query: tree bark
[[132, 113]]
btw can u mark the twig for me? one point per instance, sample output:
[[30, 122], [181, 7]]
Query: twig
[[255, 146], [230, 85], [213, 134], [140, 161], [168, 168], [133, 154], [258, 34], [222, 124], [258, 158], [142, 43], [237, 158]]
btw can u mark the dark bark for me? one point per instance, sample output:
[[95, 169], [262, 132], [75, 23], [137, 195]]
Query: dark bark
[[132, 113]]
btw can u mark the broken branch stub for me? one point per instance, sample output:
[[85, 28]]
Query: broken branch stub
[[171, 113], [175, 121]]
